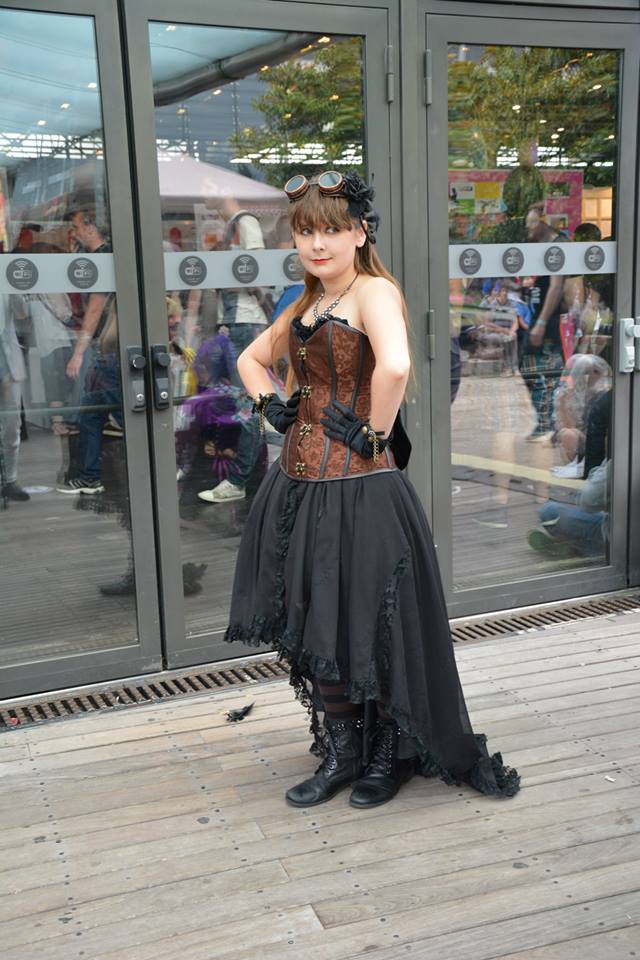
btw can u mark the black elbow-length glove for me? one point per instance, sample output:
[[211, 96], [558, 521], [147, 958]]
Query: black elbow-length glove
[[341, 423], [280, 413]]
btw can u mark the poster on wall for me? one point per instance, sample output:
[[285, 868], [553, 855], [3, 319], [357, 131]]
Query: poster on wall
[[475, 199]]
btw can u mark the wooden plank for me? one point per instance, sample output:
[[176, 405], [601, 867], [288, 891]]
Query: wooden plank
[[555, 703], [612, 945], [533, 682], [200, 711], [518, 671], [140, 936], [119, 885], [360, 849], [47, 869], [458, 929], [94, 755], [557, 868], [118, 818], [248, 892], [575, 635]]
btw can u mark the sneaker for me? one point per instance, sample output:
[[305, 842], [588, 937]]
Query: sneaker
[[223, 493], [573, 470], [543, 542], [112, 428], [13, 491], [77, 485]]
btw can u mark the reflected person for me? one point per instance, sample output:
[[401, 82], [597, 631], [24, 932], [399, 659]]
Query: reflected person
[[242, 309], [102, 383], [12, 377], [542, 358]]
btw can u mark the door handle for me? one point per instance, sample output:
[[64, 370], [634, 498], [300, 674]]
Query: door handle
[[628, 344], [160, 362], [137, 391]]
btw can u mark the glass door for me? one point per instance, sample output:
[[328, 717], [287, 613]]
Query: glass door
[[226, 106], [75, 514], [531, 144]]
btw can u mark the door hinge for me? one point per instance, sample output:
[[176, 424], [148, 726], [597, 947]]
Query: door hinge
[[431, 334], [428, 81], [390, 76]]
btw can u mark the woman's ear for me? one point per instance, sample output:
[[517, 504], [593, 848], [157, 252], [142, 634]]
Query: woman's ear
[[361, 235]]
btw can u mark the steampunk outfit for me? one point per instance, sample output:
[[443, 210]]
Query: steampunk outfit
[[337, 571]]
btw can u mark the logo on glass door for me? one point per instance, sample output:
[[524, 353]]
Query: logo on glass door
[[470, 261], [245, 268], [292, 267], [22, 274], [82, 273], [594, 257], [512, 259], [192, 271], [554, 259]]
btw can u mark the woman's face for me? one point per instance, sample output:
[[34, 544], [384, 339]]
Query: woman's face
[[328, 252]]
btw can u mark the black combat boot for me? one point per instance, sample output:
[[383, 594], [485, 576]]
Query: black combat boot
[[385, 772], [340, 767]]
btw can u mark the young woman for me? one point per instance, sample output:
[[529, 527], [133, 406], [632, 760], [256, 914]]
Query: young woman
[[336, 568]]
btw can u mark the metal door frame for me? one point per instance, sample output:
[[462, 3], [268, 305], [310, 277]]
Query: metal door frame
[[479, 23], [370, 23], [144, 653]]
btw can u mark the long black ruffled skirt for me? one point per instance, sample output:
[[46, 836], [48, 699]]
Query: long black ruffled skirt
[[341, 578]]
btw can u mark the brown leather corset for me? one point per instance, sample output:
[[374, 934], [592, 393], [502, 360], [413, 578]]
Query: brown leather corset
[[335, 362]]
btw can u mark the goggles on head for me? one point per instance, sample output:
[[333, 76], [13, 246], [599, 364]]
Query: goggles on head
[[330, 184]]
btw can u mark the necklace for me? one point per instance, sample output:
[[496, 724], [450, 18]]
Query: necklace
[[334, 303]]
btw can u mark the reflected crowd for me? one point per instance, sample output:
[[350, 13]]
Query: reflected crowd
[[531, 361]]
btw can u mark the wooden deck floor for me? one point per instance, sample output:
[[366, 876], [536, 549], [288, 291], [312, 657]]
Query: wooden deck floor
[[160, 832]]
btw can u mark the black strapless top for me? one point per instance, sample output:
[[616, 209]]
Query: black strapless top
[[304, 331]]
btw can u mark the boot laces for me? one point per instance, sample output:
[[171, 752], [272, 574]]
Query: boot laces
[[382, 753], [335, 730]]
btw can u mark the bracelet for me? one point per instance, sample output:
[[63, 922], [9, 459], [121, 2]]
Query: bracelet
[[260, 405], [376, 439]]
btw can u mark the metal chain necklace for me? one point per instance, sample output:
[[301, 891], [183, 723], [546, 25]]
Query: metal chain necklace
[[334, 303]]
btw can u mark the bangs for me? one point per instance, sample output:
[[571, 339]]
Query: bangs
[[314, 210]]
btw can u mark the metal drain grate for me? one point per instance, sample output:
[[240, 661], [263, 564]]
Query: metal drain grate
[[150, 690], [489, 627], [168, 686]]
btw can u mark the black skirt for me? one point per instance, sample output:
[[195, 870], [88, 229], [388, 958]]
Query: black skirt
[[341, 578]]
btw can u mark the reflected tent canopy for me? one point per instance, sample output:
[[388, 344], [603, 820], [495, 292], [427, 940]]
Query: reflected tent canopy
[[183, 178]]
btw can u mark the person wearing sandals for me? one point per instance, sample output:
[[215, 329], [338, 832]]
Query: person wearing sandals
[[336, 569]]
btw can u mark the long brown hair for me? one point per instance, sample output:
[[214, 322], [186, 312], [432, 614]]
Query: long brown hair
[[311, 211]]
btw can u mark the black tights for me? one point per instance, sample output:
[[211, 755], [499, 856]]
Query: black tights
[[338, 707]]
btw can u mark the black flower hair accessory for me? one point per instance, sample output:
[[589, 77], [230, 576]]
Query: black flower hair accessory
[[360, 196]]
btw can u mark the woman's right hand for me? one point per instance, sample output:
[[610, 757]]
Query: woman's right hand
[[281, 414]]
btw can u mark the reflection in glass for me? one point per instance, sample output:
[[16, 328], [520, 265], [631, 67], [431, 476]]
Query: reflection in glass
[[62, 462], [532, 160], [237, 113]]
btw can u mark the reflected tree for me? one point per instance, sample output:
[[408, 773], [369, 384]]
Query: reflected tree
[[313, 113]]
